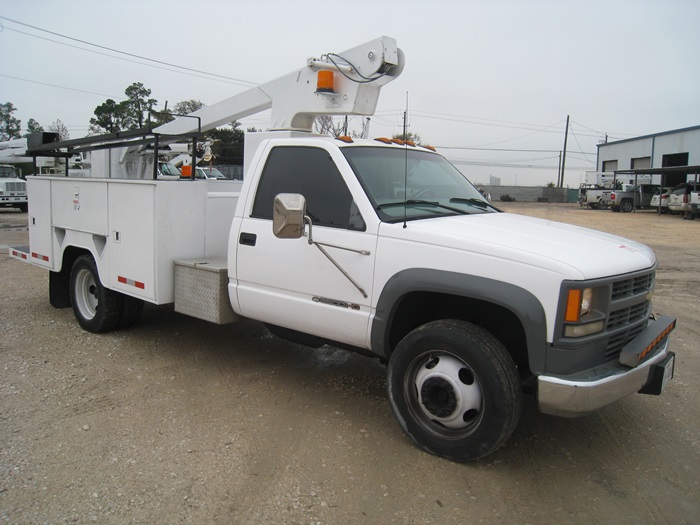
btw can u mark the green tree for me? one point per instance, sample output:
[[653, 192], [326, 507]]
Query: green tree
[[188, 106], [33, 127], [9, 125], [138, 105], [110, 117], [132, 113], [227, 144]]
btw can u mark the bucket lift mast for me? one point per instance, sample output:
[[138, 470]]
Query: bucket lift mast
[[346, 83]]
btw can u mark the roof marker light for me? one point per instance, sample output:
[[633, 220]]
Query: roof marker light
[[345, 138], [384, 140]]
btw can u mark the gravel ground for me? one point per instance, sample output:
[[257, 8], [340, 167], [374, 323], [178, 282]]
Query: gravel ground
[[179, 421]]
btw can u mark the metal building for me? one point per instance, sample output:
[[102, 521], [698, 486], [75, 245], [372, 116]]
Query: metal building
[[669, 157]]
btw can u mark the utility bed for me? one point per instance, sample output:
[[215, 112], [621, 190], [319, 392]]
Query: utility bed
[[135, 229]]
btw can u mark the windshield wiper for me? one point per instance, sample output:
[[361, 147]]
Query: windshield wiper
[[477, 202], [418, 201]]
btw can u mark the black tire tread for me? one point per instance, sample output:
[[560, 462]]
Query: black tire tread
[[504, 367], [132, 308], [109, 308]]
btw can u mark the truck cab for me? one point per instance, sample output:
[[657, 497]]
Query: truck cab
[[13, 190]]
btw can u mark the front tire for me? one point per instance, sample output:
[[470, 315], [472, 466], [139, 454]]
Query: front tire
[[96, 308], [454, 389]]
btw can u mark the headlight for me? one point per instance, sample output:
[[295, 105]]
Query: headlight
[[580, 317]]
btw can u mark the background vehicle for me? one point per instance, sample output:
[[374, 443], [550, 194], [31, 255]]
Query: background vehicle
[[594, 196], [378, 246], [13, 190], [166, 171], [206, 172], [661, 198], [631, 197], [679, 200], [695, 202]]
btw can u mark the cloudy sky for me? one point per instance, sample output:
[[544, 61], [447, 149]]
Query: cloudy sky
[[490, 83]]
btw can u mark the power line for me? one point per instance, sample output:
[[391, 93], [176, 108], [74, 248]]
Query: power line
[[60, 87], [507, 165], [504, 149], [244, 82], [124, 59], [487, 122]]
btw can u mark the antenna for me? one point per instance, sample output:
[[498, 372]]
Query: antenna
[[405, 166]]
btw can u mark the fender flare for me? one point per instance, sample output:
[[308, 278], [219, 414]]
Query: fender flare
[[523, 304]]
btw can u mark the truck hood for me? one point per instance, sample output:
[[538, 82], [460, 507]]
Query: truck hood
[[573, 251]]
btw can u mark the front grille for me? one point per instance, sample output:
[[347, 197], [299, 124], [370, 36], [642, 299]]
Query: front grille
[[628, 315], [16, 186], [632, 286], [629, 309]]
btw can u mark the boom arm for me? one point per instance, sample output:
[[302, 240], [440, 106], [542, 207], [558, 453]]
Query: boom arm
[[296, 99]]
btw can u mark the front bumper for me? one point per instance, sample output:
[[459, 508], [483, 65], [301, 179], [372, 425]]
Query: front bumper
[[577, 397]]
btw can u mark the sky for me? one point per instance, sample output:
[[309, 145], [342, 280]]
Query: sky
[[489, 83]]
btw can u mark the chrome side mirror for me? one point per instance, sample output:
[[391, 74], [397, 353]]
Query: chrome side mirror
[[288, 216]]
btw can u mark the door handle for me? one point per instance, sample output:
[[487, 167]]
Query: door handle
[[247, 238]]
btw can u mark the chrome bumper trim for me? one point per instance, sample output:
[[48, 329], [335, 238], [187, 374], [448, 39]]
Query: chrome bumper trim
[[560, 397]]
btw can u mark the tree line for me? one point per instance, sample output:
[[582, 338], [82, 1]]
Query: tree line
[[136, 111]]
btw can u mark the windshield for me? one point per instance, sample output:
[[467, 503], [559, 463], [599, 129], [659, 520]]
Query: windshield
[[212, 172], [422, 183], [168, 169], [7, 172]]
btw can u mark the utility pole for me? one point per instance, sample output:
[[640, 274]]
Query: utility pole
[[559, 170], [405, 117], [563, 159]]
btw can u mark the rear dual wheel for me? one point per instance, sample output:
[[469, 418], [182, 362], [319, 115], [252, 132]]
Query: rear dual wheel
[[454, 389], [97, 308]]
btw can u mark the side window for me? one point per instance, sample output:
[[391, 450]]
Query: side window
[[311, 172]]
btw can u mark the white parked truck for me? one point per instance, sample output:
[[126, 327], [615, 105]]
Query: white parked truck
[[13, 190], [378, 246]]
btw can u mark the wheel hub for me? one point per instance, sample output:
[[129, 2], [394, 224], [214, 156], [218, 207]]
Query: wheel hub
[[438, 397], [448, 392]]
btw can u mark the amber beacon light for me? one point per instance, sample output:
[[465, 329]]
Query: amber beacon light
[[324, 81]]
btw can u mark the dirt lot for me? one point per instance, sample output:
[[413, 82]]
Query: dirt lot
[[179, 421]]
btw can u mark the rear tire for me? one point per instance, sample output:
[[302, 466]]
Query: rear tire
[[96, 308], [454, 389], [132, 308]]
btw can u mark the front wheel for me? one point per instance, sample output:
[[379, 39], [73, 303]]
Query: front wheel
[[454, 389], [96, 308]]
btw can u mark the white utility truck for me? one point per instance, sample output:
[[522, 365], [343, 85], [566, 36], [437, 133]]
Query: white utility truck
[[379, 246]]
